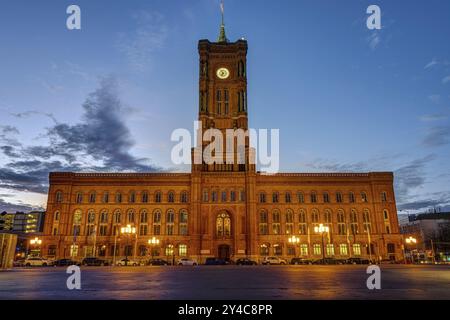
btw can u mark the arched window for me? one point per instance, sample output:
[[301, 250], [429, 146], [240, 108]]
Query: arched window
[[170, 220], [59, 197], [91, 223], [183, 223], [351, 197], [184, 197], [117, 216], [315, 216], [132, 197], [326, 197], [276, 219], [302, 219], [363, 197], [287, 197], [354, 221], [339, 198], [119, 197], [171, 197], [300, 197], [158, 197], [144, 216], [384, 196], [262, 197], [328, 216], [366, 221], [157, 222], [263, 220], [104, 216], [342, 228], [79, 197], [77, 217], [223, 225], [145, 197], [313, 197], [56, 216], [106, 197], [92, 197], [289, 222], [130, 216], [275, 197]]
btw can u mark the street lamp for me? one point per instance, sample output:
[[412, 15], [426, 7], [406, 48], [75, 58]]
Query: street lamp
[[128, 230], [294, 240], [409, 241], [322, 230], [153, 242], [36, 242]]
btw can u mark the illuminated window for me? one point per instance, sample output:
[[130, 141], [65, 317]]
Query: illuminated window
[[277, 250], [356, 249], [263, 219], [317, 249], [184, 223], [343, 249], [169, 250], [74, 250], [330, 249], [304, 249], [182, 250], [264, 250], [223, 225], [276, 219]]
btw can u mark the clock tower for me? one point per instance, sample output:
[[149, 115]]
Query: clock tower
[[223, 99]]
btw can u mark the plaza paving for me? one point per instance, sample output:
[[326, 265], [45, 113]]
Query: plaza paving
[[228, 282]]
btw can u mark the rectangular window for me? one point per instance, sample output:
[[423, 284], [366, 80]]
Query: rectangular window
[[343, 249], [341, 229], [227, 104], [232, 196], [219, 102], [356, 249], [183, 229], [313, 198], [262, 198], [304, 249], [330, 249], [301, 198], [289, 228], [317, 249], [263, 229], [291, 251], [103, 230], [74, 250], [224, 196], [276, 229], [351, 197], [182, 250], [326, 198], [106, 197], [157, 229], [143, 229], [383, 197], [205, 196], [92, 198], [214, 196], [242, 196], [169, 229], [338, 197], [302, 228]]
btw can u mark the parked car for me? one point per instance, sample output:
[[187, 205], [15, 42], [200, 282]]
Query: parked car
[[358, 261], [216, 262], [273, 261], [329, 261], [37, 262], [19, 263], [298, 261], [246, 262], [127, 262], [94, 262], [65, 263], [158, 262], [187, 262]]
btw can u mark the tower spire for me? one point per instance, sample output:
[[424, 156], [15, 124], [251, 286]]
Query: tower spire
[[222, 34]]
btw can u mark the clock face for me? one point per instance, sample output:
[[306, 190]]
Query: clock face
[[223, 73]]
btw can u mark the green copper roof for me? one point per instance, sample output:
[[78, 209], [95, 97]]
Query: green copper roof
[[222, 35]]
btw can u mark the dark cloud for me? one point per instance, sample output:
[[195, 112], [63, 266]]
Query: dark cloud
[[102, 137], [436, 200], [437, 136], [12, 207], [410, 176]]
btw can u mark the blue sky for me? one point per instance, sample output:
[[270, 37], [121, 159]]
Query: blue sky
[[107, 97]]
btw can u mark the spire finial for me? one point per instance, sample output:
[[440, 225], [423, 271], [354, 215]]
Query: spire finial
[[222, 35]]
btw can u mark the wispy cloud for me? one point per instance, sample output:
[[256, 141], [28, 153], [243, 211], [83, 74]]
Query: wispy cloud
[[437, 136], [433, 117], [446, 80], [435, 98], [374, 39], [149, 36], [432, 63], [9, 207]]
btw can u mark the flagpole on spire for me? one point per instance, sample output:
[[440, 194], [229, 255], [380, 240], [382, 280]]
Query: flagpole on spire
[[222, 35]]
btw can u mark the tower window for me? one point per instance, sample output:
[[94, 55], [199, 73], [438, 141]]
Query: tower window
[[219, 102], [227, 102]]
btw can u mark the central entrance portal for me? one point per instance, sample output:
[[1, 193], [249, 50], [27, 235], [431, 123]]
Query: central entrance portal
[[224, 252]]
